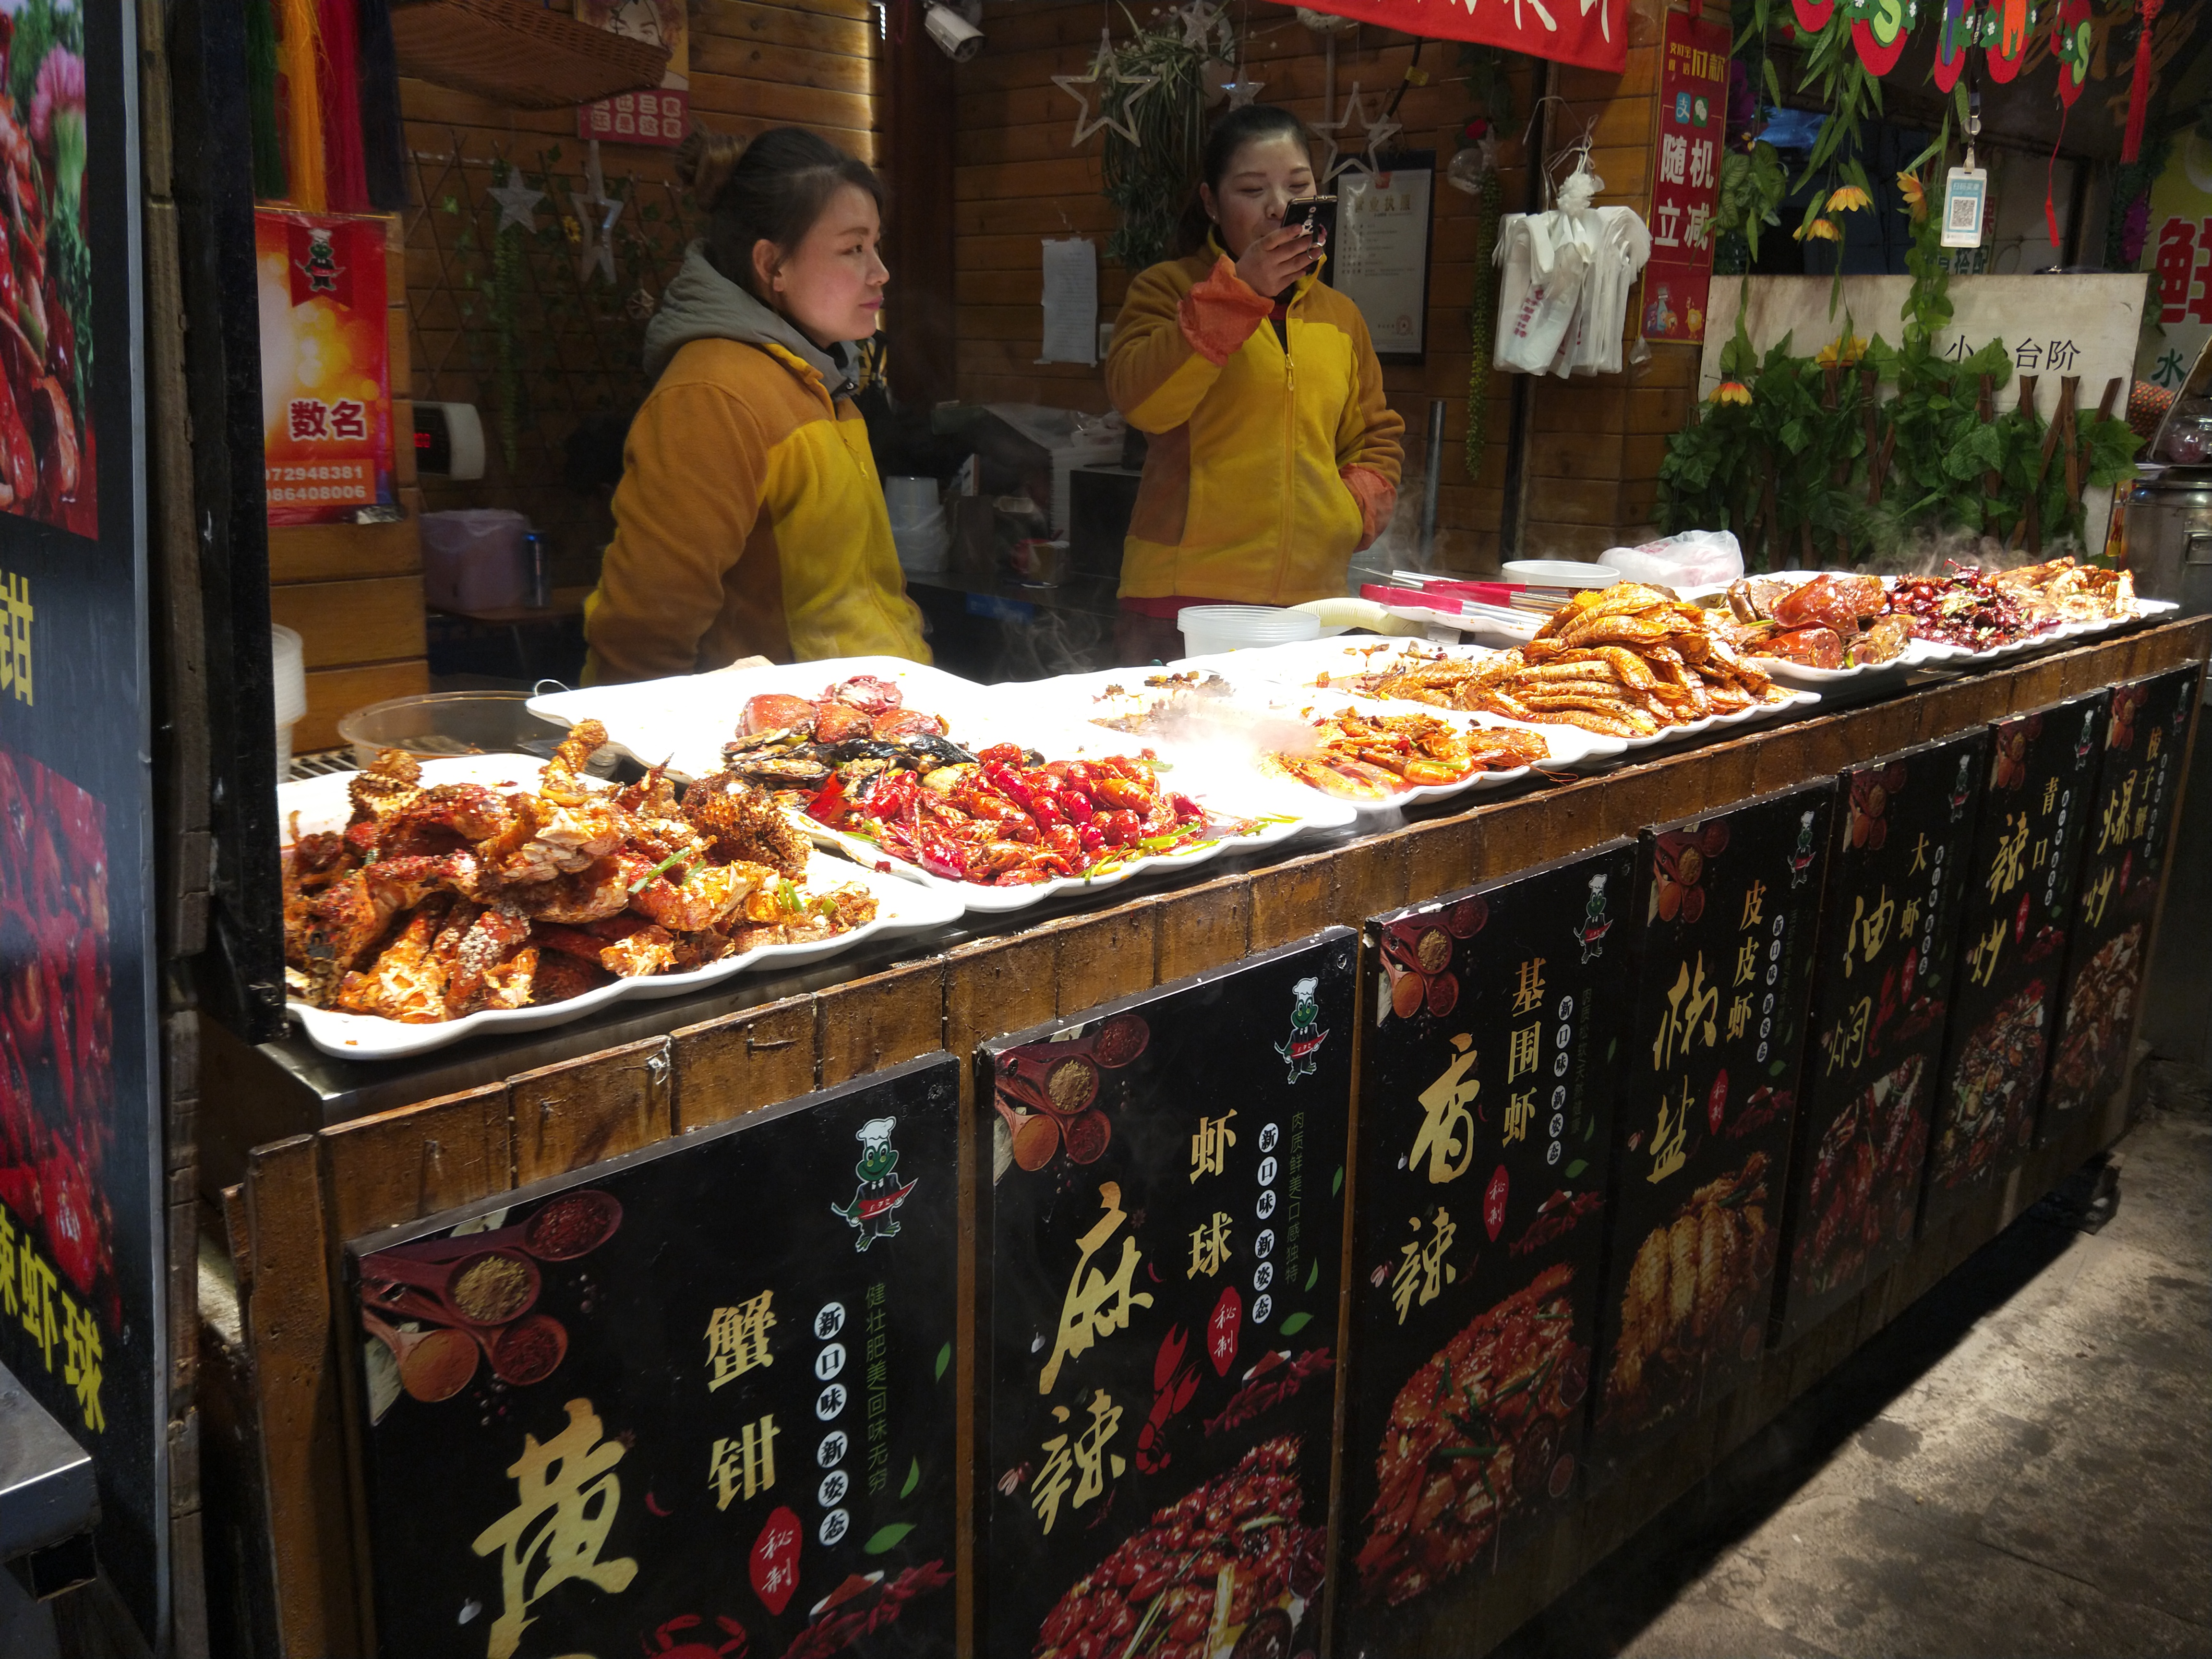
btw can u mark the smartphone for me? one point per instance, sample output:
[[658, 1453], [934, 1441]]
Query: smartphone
[[1304, 214]]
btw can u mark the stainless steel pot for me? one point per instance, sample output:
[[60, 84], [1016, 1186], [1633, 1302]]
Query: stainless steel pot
[[2169, 537]]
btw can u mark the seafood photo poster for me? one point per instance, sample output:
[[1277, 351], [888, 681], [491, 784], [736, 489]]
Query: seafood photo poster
[[83, 1315], [699, 1397], [1721, 928], [1159, 1258], [2020, 883], [2138, 779], [1883, 981], [1493, 1030]]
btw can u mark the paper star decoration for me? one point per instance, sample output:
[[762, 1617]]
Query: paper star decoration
[[596, 213], [1380, 133], [1201, 20], [518, 202], [1102, 64], [1335, 161]]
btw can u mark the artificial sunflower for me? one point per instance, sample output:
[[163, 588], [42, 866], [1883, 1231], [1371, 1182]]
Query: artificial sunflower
[[1823, 230], [1731, 391], [1916, 196], [1849, 199], [1843, 351]]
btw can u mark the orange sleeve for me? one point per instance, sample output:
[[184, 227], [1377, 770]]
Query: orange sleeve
[[1169, 345], [1377, 497], [694, 467]]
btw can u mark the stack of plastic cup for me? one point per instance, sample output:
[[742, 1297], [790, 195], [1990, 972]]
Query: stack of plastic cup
[[289, 678]]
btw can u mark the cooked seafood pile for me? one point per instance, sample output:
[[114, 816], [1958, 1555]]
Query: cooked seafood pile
[[1474, 1434], [1228, 1557], [1964, 609], [1006, 816], [1159, 702], [2066, 591], [2095, 1027], [1688, 1295], [854, 730], [1993, 1088], [1866, 1177], [434, 903], [1625, 661], [1371, 757], [1830, 622], [1408, 673]]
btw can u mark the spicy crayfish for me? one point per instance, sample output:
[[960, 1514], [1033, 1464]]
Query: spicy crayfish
[[1006, 817], [434, 903], [1371, 757]]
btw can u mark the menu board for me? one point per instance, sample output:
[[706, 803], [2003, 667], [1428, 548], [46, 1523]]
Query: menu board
[[2138, 779], [84, 1315], [698, 1399], [1881, 987], [2020, 883], [1158, 1282], [1722, 933], [1485, 1113]]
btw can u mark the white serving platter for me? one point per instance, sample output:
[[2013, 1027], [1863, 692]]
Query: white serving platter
[[1867, 677], [686, 719], [320, 804]]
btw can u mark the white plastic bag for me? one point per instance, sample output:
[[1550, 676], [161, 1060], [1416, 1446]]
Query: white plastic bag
[[1694, 558], [1539, 292]]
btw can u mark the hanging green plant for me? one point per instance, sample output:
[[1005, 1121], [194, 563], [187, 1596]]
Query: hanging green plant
[[1152, 98]]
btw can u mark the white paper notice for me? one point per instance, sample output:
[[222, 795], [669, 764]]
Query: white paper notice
[[1070, 301]]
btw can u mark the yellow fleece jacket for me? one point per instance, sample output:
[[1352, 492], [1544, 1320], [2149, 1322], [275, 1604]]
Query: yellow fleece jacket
[[748, 521], [1270, 465]]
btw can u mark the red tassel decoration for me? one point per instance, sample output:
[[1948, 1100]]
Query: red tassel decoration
[[2139, 89], [338, 67]]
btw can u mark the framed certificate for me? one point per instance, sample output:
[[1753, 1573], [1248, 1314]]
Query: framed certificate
[[1380, 257]]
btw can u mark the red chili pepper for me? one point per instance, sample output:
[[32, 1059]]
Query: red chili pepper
[[894, 795], [828, 805], [1186, 808]]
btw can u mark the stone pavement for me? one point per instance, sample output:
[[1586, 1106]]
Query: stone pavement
[[2020, 1464]]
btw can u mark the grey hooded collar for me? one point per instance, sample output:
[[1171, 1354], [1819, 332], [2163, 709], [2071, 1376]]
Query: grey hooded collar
[[700, 303]]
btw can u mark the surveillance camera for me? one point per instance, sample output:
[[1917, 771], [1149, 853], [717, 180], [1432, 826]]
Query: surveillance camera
[[953, 28]]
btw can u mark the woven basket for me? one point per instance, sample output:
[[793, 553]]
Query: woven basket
[[519, 53]]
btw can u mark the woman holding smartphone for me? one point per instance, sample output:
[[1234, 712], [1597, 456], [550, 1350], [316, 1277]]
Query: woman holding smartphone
[[749, 520], [1273, 457]]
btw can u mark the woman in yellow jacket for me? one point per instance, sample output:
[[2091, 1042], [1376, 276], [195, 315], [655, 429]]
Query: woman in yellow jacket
[[1273, 457], [750, 520]]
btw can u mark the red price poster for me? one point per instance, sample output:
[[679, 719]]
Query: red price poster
[[325, 364], [660, 117], [1687, 182]]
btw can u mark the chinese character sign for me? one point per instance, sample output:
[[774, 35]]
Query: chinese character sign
[[2125, 836], [1486, 1084], [706, 1388], [1593, 34], [658, 116], [2018, 914], [1693, 119], [2176, 251], [1721, 932], [325, 364], [1163, 1211], [1882, 988]]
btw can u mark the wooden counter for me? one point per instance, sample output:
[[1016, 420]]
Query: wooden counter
[[320, 1152]]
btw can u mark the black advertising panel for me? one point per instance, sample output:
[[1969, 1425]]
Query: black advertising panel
[[2146, 740], [697, 1400], [81, 1312], [1881, 989], [1493, 1032], [1164, 1228], [2020, 883], [1707, 1094]]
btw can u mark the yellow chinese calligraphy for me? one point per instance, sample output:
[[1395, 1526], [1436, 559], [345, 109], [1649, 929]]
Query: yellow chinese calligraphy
[[2115, 825], [1919, 855], [1747, 961], [1754, 909], [1668, 1151], [1846, 1043], [1423, 1273], [1447, 1132], [2010, 864], [1739, 1016], [15, 636], [2049, 796], [1087, 1454], [748, 1462], [1208, 1146], [1981, 960], [1099, 1305], [2094, 896], [1209, 1247], [736, 1339], [1908, 920], [1524, 1049], [1530, 991], [1869, 929], [566, 1499], [1690, 1003], [1520, 1112], [80, 1357]]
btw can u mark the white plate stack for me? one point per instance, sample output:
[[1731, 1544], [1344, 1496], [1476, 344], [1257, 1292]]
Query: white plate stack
[[288, 680]]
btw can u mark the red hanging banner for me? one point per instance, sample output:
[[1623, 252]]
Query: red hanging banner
[[1693, 60], [1593, 34]]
